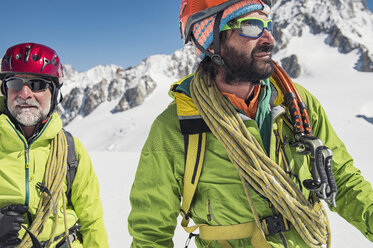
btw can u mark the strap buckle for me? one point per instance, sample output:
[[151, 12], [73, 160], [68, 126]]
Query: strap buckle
[[274, 224]]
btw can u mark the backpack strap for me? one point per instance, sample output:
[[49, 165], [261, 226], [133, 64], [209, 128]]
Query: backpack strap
[[194, 130], [72, 164], [194, 155]]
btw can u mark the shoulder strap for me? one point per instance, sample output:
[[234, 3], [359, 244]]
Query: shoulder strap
[[195, 145], [194, 130], [72, 164]]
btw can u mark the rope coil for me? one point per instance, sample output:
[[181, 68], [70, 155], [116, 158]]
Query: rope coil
[[256, 168]]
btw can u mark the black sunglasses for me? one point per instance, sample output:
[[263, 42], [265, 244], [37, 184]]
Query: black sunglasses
[[35, 84]]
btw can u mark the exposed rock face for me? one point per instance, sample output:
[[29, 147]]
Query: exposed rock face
[[135, 96], [348, 24], [94, 97], [291, 66], [129, 87]]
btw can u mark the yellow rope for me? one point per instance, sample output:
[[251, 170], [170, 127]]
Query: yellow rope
[[256, 168], [54, 178]]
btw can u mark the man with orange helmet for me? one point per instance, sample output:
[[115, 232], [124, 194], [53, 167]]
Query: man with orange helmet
[[38, 207], [248, 159]]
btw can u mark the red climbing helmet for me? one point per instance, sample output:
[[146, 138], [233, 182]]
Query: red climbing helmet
[[32, 58]]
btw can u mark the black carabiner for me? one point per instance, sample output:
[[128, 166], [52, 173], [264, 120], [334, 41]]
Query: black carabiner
[[187, 242]]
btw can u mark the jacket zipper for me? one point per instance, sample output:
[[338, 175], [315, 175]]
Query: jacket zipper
[[27, 172], [210, 213], [27, 189], [27, 159]]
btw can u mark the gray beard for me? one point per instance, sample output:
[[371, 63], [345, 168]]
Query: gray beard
[[28, 117]]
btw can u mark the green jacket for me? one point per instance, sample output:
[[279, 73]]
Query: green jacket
[[220, 198], [22, 166]]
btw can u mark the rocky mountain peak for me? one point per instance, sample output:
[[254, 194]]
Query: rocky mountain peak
[[126, 88], [348, 24]]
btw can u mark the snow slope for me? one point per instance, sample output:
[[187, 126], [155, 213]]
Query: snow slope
[[115, 140]]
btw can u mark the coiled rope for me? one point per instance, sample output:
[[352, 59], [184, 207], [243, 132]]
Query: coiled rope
[[256, 168], [54, 178]]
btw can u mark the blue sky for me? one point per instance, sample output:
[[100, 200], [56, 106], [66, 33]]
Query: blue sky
[[86, 33]]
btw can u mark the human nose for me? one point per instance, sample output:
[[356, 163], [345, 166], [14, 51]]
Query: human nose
[[25, 92], [267, 38]]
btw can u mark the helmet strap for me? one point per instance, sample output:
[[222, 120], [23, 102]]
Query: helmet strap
[[216, 40], [215, 57], [56, 98]]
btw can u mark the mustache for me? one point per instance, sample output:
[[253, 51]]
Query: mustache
[[263, 48], [31, 102]]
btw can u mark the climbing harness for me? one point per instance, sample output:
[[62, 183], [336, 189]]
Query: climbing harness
[[61, 164], [308, 219]]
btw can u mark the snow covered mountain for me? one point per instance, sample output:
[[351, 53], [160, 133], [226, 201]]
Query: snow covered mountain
[[85, 91], [346, 24]]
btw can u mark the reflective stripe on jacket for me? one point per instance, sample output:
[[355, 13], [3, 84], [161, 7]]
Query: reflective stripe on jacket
[[22, 166], [220, 199]]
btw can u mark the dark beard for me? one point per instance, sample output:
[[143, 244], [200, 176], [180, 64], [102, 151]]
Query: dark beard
[[242, 68]]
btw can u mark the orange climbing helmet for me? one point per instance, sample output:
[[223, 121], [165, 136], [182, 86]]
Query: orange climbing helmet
[[197, 17]]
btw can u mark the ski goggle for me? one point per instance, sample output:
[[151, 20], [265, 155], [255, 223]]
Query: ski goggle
[[249, 27], [35, 84]]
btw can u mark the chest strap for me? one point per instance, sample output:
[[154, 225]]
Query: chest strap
[[222, 234]]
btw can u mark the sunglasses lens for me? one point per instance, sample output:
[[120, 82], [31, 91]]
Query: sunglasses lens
[[38, 85], [252, 27], [34, 84], [14, 84]]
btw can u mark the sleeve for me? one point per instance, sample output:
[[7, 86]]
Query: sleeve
[[85, 197], [355, 194], [155, 193]]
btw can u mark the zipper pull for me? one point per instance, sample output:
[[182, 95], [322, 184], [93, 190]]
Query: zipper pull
[[27, 157], [208, 210]]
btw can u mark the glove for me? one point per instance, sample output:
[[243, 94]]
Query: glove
[[10, 223]]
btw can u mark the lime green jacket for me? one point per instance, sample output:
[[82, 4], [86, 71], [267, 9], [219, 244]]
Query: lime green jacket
[[22, 166], [220, 199]]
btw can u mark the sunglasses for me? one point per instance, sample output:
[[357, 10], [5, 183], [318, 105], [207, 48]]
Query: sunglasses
[[35, 84], [249, 27]]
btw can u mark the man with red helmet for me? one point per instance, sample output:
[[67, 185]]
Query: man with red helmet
[[33, 160], [238, 147]]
